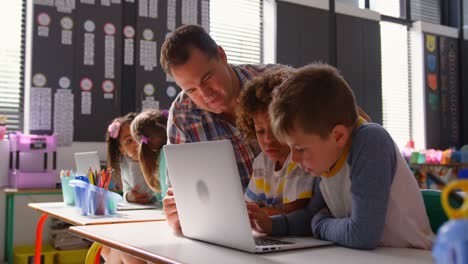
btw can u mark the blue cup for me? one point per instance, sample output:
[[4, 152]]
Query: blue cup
[[102, 201], [92, 200], [81, 193], [451, 245]]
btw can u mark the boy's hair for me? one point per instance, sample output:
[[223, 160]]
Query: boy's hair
[[314, 99], [176, 48], [146, 125], [256, 97], [114, 156]]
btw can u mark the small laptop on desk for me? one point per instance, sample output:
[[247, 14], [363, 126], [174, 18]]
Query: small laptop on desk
[[86, 160], [210, 199]]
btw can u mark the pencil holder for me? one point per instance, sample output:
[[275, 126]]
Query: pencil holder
[[102, 202], [68, 191], [93, 200], [81, 193]]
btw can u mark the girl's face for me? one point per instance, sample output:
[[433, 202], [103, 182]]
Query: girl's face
[[127, 145], [274, 150]]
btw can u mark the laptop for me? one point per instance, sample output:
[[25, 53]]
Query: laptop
[[210, 199], [85, 160]]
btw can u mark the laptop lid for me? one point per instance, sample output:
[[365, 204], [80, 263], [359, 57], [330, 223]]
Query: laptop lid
[[209, 193], [85, 160], [210, 199]]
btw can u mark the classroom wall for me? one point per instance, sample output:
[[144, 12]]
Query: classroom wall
[[304, 36]]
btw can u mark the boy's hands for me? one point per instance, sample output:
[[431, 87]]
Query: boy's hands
[[134, 196], [170, 210], [259, 219]]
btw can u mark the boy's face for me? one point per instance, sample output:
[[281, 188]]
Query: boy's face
[[267, 141], [317, 155], [207, 81], [127, 145]]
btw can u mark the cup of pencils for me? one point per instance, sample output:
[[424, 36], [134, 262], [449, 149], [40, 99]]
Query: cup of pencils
[[67, 190], [93, 194]]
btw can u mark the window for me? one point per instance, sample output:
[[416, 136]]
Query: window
[[426, 10], [236, 25], [12, 28], [395, 82], [388, 7], [396, 85]]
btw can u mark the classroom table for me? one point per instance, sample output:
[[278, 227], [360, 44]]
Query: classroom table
[[10, 194], [72, 215], [155, 242]]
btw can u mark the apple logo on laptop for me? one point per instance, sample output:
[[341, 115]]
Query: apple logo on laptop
[[202, 191]]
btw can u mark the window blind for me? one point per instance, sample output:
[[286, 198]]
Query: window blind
[[396, 82], [12, 30], [236, 25], [425, 10]]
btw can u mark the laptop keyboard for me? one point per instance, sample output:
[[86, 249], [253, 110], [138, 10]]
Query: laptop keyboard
[[263, 241]]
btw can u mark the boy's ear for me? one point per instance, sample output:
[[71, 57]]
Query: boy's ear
[[340, 134], [222, 54]]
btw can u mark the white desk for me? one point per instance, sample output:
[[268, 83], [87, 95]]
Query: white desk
[[155, 242], [71, 215]]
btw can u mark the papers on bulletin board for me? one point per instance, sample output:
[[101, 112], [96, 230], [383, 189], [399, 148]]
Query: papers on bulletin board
[[148, 8], [149, 103], [63, 116], [148, 55], [44, 2], [40, 108], [128, 51], [88, 54], [89, 2], [143, 8], [171, 15], [129, 44], [65, 6], [109, 50], [153, 8], [189, 11], [85, 103]]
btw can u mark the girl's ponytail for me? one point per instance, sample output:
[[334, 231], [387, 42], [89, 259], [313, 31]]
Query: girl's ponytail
[[149, 166]]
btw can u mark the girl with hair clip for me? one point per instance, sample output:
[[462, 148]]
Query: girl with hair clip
[[122, 156], [149, 128]]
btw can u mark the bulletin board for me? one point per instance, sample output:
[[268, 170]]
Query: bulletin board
[[98, 68], [155, 88], [450, 95], [94, 60], [442, 94], [51, 96], [432, 90]]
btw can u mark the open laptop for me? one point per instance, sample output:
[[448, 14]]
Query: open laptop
[[85, 160], [210, 199]]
